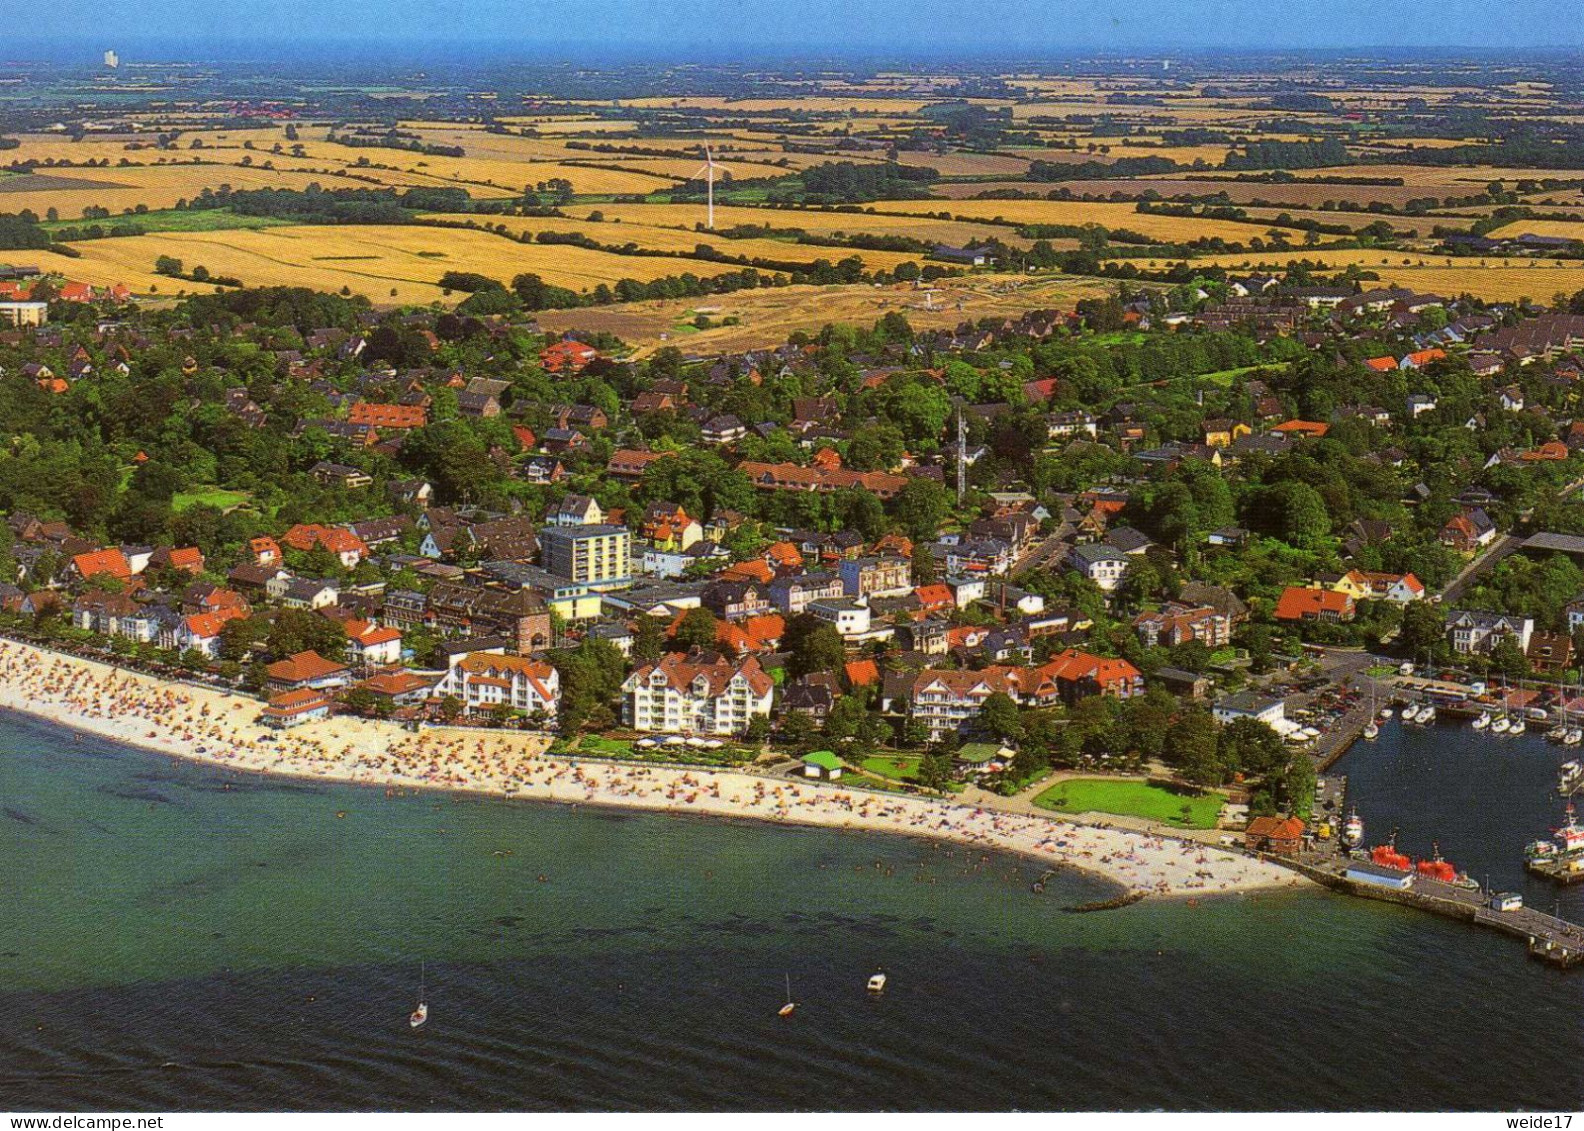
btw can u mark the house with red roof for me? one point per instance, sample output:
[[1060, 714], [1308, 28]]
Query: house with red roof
[[696, 693], [862, 673], [102, 563], [295, 707], [200, 632], [489, 681], [1421, 358], [371, 645], [1298, 603], [1313, 428], [266, 551], [1281, 835], [307, 669], [567, 357], [388, 417], [344, 544]]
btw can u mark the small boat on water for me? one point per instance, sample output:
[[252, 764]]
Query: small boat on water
[[1570, 775], [1372, 730], [1502, 725], [420, 1015], [1561, 859], [790, 1006], [1483, 721], [1517, 728], [877, 982], [1427, 714], [1385, 713], [1353, 830], [1573, 737]]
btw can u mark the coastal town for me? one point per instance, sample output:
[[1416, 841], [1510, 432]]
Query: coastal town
[[729, 556], [1088, 508], [916, 563]]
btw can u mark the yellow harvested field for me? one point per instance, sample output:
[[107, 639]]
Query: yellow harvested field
[[681, 241], [1498, 280], [1567, 229], [1078, 212], [370, 260], [158, 186], [769, 316], [820, 223], [504, 175], [837, 105], [966, 164], [669, 172], [1466, 179]]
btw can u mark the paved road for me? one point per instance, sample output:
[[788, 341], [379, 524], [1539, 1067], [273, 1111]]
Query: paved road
[[1038, 554], [1505, 545]]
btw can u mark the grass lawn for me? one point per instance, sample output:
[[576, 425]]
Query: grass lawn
[[887, 766], [1132, 799], [209, 496], [599, 744], [1224, 377], [896, 767], [177, 220]]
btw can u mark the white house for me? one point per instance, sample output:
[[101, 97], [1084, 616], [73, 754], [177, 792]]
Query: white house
[[696, 693], [1102, 564], [851, 617], [484, 681], [1247, 705]]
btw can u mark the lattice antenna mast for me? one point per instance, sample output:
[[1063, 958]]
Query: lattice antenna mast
[[962, 458]]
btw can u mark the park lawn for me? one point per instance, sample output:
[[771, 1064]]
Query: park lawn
[[599, 744], [1132, 799], [885, 766], [896, 768], [208, 496]]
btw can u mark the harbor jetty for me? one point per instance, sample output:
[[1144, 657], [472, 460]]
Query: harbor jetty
[[1549, 938]]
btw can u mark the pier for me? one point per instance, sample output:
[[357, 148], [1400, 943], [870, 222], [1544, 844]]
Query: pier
[[1550, 939]]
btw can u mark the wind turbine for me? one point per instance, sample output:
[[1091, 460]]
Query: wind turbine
[[708, 169]]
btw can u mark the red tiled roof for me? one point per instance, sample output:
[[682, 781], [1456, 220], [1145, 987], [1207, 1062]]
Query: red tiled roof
[[111, 561], [1303, 428], [862, 673], [1296, 603], [302, 667], [205, 626], [388, 416], [1276, 828]]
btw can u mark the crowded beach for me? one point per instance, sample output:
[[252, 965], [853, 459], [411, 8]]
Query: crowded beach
[[201, 724]]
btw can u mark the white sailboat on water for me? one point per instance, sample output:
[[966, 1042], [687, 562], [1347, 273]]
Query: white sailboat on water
[[420, 1015]]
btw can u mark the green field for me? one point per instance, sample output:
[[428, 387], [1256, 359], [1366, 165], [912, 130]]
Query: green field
[[208, 496], [1224, 377], [1132, 799], [896, 768], [176, 220]]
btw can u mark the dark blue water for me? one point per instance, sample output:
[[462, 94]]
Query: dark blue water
[[177, 937], [1482, 797]]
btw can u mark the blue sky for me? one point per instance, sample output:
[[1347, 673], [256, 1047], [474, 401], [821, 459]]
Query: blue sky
[[681, 28]]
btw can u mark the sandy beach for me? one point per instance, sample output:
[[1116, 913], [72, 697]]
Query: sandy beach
[[210, 726]]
